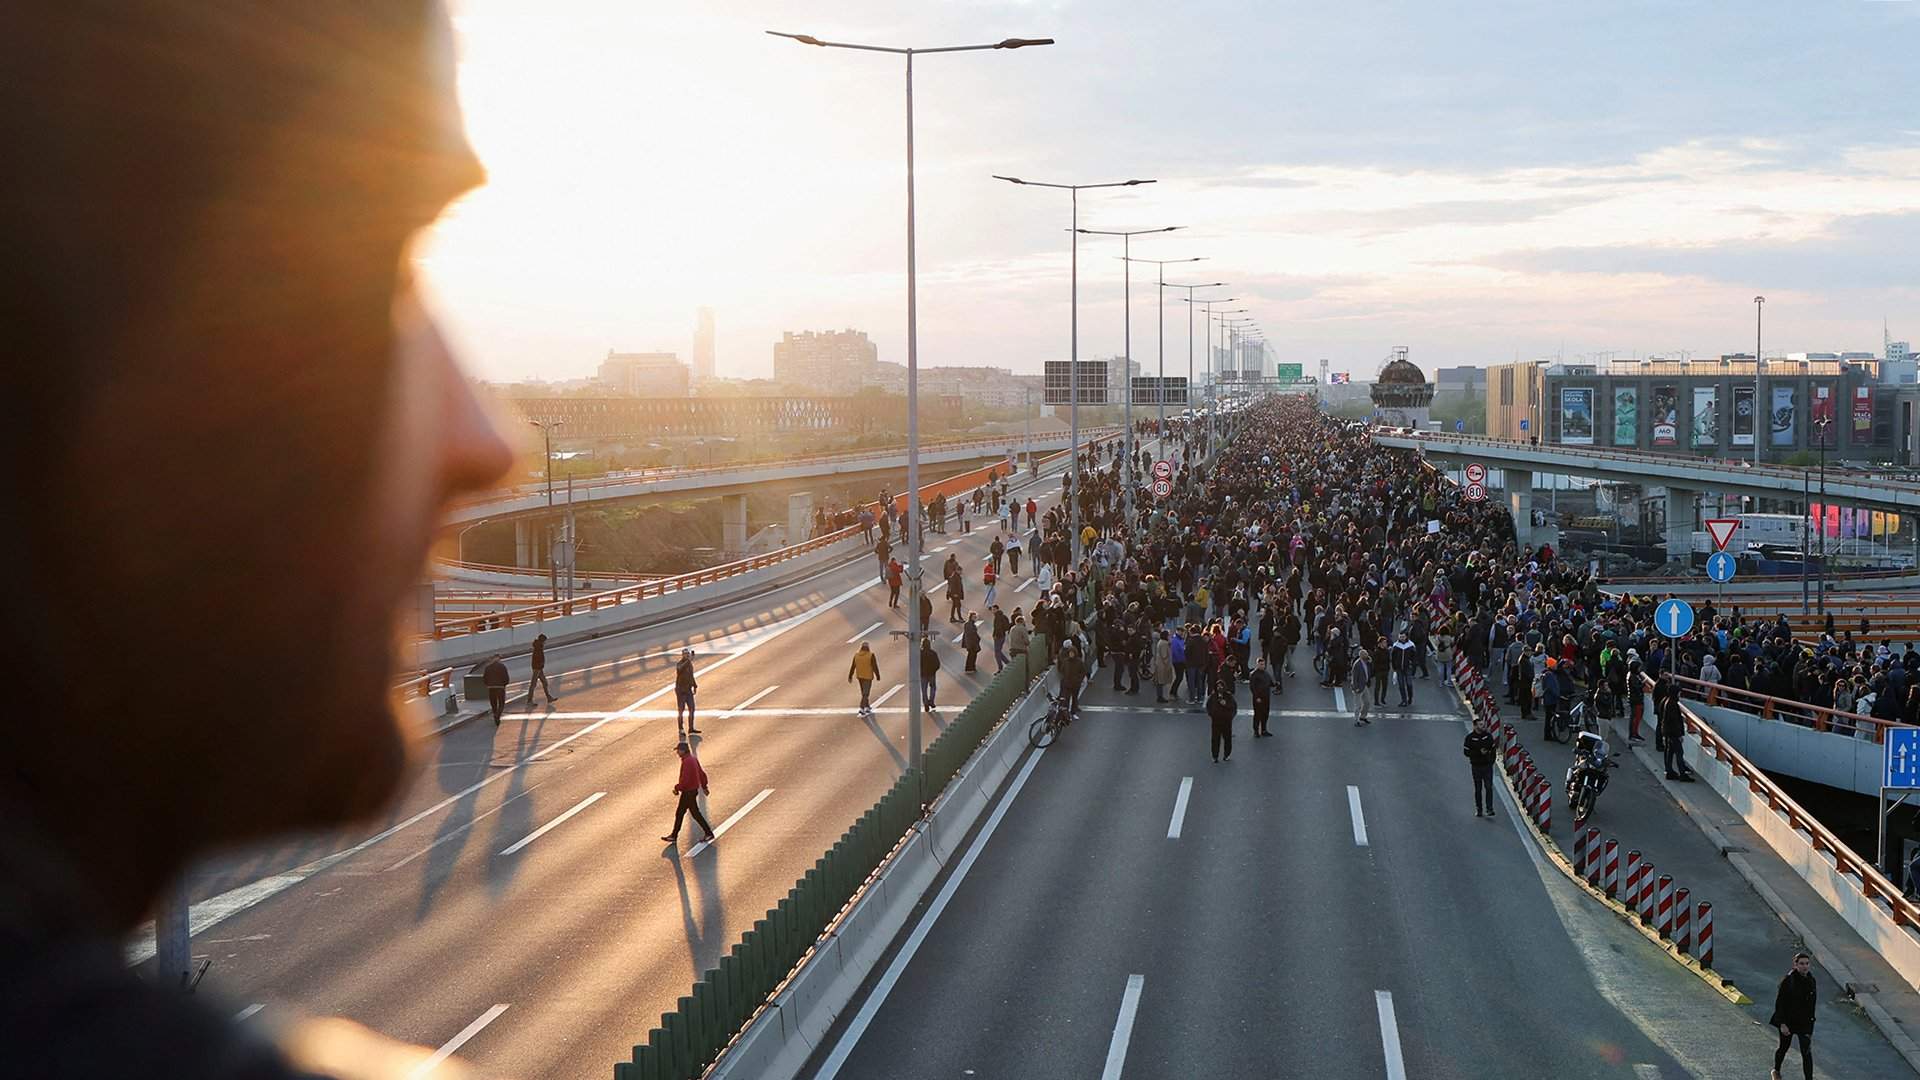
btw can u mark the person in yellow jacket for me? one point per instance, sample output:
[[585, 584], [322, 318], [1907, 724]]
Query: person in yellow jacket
[[866, 668]]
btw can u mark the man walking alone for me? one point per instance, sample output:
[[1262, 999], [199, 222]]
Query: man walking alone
[[684, 687], [1479, 751], [539, 677], [1793, 1006], [1260, 685], [1220, 710], [692, 785], [495, 676], [865, 668]]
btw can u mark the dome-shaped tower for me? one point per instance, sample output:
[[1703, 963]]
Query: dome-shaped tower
[[1401, 394]]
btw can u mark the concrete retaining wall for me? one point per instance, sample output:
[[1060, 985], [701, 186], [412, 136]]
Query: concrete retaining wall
[[781, 1039], [1898, 945], [1781, 746]]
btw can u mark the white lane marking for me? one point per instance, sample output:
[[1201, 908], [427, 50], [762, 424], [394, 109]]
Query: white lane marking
[[426, 1067], [1022, 587], [1647, 1072], [1359, 819], [243, 1014], [1308, 714], [1389, 1033], [209, 912], [958, 636], [1339, 699], [882, 699], [551, 825], [864, 633], [1123, 1028], [730, 822], [456, 834], [1180, 808], [857, 1027], [738, 709]]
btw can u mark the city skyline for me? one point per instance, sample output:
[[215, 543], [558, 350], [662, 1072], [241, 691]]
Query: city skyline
[[1634, 202]]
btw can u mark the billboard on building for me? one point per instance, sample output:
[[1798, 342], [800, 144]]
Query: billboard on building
[[1626, 416], [1781, 417], [1666, 415], [1706, 417], [1820, 432], [1059, 376], [1742, 416], [1576, 415], [1862, 415]]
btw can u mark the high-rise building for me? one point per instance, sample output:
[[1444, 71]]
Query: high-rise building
[[644, 374], [826, 362], [703, 344]]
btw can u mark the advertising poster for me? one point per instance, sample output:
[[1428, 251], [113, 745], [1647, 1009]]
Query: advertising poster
[[1781, 418], [1576, 415], [1666, 416], [1706, 417], [1862, 414], [1821, 432], [1626, 416], [1743, 412]]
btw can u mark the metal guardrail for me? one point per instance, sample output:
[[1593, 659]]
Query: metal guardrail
[[424, 684], [1873, 884], [1647, 457], [1817, 717]]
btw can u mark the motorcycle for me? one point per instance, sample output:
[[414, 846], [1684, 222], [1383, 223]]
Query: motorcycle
[[1587, 776]]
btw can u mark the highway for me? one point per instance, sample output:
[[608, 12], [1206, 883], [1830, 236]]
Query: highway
[[520, 896], [1329, 907]]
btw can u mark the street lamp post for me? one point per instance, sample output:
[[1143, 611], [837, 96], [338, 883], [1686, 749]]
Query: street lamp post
[[1823, 424], [1758, 303], [546, 430], [1126, 305], [1161, 266], [1073, 363], [1191, 303], [913, 635], [1215, 319], [1207, 319]]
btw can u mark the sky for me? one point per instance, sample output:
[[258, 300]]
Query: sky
[[1477, 182]]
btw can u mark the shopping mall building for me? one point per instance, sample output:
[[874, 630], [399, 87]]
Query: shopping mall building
[[1858, 407]]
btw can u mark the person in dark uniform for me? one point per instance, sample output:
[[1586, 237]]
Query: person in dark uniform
[[1793, 1007], [1220, 710], [1479, 751], [1260, 685], [495, 676], [539, 677]]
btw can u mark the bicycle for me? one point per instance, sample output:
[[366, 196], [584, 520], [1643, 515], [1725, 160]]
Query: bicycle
[[1046, 728]]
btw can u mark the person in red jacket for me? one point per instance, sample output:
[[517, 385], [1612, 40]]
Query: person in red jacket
[[692, 785]]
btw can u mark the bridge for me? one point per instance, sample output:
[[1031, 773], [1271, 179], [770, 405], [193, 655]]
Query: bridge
[[1677, 477]]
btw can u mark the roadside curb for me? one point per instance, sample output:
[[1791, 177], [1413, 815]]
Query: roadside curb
[[1551, 850]]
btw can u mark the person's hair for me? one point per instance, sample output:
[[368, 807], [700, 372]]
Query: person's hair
[[1803, 955]]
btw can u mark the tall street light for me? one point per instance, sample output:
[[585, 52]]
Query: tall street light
[[1213, 380], [1207, 320], [1191, 304], [913, 382], [1160, 265], [1073, 363], [1126, 305], [546, 430], [1230, 332], [1758, 302]]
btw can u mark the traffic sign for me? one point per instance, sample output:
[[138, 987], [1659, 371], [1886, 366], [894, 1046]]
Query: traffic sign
[[1673, 618], [1523, 425], [1162, 488], [1902, 771], [1476, 491], [1720, 567], [1459, 425], [1476, 473], [1162, 470], [1721, 529]]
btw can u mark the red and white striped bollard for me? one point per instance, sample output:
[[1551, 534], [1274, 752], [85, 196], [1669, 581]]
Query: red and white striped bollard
[[1682, 922], [1610, 872], [1591, 871], [1663, 906], [1704, 948], [1647, 878]]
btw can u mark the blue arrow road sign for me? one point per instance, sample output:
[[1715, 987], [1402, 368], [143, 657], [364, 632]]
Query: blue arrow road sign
[[1523, 425], [1459, 425], [1674, 618], [1720, 567], [1903, 759]]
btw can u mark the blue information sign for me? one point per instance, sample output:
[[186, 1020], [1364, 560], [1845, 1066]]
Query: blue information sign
[[1903, 759], [1674, 618], [1523, 425], [1720, 567], [1459, 425]]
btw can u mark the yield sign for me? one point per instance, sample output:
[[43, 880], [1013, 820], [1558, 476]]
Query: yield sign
[[1721, 530]]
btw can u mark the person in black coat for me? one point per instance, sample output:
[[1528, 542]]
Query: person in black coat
[[1479, 750], [495, 676], [1793, 1014], [1260, 684], [1220, 710], [1673, 734]]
